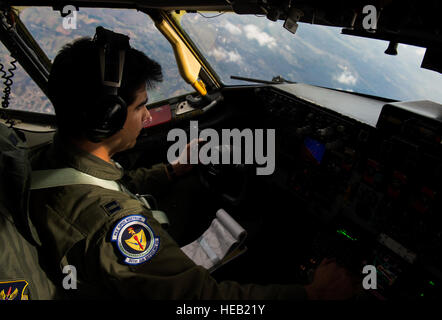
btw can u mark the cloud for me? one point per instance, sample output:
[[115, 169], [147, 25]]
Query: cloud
[[315, 50], [263, 38], [221, 54], [232, 28], [346, 77]]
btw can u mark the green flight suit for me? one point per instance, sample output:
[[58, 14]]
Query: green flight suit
[[76, 223]]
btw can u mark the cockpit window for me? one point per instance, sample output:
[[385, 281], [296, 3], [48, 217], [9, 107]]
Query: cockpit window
[[46, 26], [255, 47], [20, 92]]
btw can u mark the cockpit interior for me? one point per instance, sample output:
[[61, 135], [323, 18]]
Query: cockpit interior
[[351, 175]]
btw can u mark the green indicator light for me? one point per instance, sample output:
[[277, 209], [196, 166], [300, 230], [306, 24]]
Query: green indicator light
[[344, 233], [432, 283], [422, 294]]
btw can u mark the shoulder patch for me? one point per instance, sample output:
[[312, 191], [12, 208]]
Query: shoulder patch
[[111, 207], [13, 290], [135, 239]]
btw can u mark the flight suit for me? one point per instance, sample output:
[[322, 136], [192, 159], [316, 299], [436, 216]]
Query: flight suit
[[116, 246]]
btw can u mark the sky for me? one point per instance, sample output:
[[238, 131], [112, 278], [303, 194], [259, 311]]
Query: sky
[[258, 48]]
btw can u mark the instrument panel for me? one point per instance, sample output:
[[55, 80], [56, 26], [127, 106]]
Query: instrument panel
[[380, 183]]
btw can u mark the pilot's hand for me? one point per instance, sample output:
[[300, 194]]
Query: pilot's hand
[[182, 164], [331, 282]]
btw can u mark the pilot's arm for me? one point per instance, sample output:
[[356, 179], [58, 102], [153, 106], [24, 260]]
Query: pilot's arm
[[157, 179]]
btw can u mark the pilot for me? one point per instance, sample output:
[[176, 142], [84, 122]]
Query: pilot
[[118, 248]]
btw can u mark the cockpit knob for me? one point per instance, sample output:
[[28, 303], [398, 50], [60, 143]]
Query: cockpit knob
[[304, 130]]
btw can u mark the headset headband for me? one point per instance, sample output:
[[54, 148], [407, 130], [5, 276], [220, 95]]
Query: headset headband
[[112, 47]]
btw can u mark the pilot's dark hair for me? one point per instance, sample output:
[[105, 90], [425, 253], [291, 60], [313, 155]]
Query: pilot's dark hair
[[75, 82]]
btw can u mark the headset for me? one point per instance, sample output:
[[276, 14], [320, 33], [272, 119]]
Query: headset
[[109, 112]]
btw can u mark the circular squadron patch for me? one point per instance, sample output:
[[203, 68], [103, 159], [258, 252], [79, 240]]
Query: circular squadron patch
[[135, 239]]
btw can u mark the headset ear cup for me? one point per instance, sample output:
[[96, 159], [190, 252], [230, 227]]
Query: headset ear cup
[[109, 118]]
